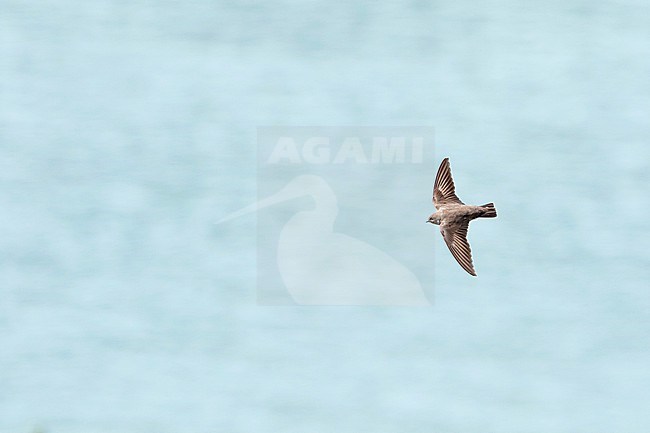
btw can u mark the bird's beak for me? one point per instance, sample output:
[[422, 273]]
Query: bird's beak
[[279, 197], [428, 221]]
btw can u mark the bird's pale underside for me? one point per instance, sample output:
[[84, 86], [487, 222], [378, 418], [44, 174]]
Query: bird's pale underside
[[453, 216]]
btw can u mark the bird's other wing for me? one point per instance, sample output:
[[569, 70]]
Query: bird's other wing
[[455, 236], [444, 191]]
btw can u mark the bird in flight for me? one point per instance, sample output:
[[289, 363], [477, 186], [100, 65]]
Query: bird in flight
[[453, 216]]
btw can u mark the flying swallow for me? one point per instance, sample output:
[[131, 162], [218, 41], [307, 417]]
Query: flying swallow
[[453, 216]]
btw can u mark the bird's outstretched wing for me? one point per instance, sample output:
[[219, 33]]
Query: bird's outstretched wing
[[444, 191], [455, 236]]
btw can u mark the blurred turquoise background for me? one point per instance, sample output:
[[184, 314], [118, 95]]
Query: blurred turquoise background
[[128, 128]]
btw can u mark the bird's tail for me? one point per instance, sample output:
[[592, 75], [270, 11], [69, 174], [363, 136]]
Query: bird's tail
[[489, 211]]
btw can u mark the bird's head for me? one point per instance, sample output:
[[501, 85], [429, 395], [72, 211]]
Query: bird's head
[[434, 219]]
